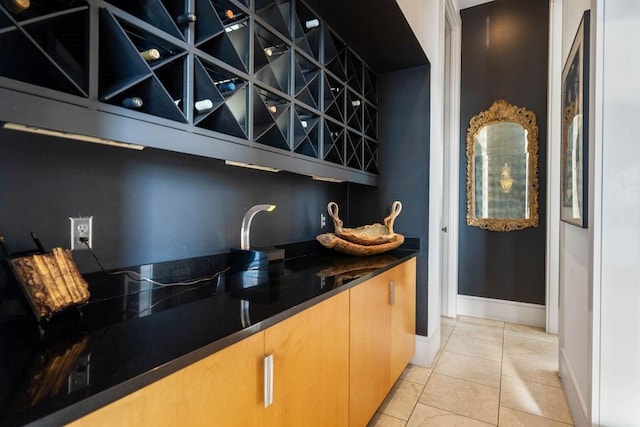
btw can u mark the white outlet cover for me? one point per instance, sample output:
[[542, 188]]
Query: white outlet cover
[[81, 227]]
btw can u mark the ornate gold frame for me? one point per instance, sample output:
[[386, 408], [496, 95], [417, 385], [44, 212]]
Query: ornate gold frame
[[502, 111]]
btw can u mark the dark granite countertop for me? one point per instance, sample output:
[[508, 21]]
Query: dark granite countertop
[[133, 333]]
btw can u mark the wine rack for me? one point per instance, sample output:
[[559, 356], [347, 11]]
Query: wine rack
[[268, 74]]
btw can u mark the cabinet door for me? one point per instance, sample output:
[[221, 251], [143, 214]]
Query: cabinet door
[[224, 389], [403, 317], [369, 352], [311, 366]]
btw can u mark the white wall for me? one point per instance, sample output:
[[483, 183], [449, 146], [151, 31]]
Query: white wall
[[427, 20], [575, 270], [600, 266], [617, 231]]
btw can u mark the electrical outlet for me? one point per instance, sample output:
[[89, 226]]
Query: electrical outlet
[[323, 221], [81, 228], [79, 376]]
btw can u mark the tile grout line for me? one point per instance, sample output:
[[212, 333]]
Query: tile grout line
[[440, 350], [540, 416], [463, 379]]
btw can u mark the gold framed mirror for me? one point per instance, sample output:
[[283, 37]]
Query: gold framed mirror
[[502, 168]]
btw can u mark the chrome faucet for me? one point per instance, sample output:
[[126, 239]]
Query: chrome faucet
[[246, 223]]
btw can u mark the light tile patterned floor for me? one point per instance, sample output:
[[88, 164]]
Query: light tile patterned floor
[[487, 373]]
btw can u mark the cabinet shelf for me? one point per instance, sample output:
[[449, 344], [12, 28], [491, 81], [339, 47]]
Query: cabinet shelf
[[370, 121], [47, 45], [334, 136], [307, 81], [207, 23], [370, 86], [153, 12], [354, 71], [353, 150], [276, 14], [229, 42], [45, 9], [6, 25], [306, 32], [58, 38], [306, 134], [228, 95], [230, 15], [270, 119], [370, 156], [272, 57], [242, 58], [171, 76], [156, 101], [124, 74], [354, 110], [334, 98], [334, 55]]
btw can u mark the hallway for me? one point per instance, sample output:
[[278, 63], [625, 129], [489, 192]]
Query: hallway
[[486, 373]]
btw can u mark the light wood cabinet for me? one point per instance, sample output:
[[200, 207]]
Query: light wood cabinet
[[369, 350], [333, 364], [403, 317], [382, 338], [311, 366], [224, 389]]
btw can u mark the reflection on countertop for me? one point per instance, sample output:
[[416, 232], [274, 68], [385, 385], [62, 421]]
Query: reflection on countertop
[[133, 333]]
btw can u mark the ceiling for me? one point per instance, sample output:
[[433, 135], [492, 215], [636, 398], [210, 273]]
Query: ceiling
[[376, 29], [464, 4]]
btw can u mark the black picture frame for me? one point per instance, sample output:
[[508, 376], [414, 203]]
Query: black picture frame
[[575, 130]]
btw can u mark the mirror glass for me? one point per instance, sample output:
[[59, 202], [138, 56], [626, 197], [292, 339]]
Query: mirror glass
[[502, 169]]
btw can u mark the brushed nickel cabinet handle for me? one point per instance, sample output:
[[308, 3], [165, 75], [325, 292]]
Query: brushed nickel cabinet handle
[[268, 380], [392, 292]]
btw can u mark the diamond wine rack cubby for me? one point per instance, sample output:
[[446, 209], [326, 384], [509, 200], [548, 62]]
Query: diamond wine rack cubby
[[46, 44], [269, 74]]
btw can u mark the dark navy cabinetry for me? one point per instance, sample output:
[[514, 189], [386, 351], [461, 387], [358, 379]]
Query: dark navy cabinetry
[[262, 81]]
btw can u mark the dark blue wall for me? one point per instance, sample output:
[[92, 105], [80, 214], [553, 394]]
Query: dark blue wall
[[504, 56], [404, 168], [150, 205]]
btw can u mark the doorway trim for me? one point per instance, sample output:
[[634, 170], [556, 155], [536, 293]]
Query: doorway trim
[[450, 286], [552, 287]]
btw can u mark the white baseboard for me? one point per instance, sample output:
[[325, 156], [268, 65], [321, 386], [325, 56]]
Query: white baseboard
[[426, 349], [497, 309], [576, 401]]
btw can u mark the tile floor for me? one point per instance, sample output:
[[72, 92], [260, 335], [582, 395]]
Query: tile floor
[[487, 373]]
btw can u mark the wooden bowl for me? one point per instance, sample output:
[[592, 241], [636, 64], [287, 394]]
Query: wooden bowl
[[331, 241], [366, 235]]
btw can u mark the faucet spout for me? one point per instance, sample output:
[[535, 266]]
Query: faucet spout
[[246, 223]]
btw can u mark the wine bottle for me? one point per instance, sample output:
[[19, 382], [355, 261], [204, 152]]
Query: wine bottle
[[275, 50], [132, 102], [17, 6], [203, 105], [227, 16], [186, 19], [227, 87], [311, 23], [150, 54]]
